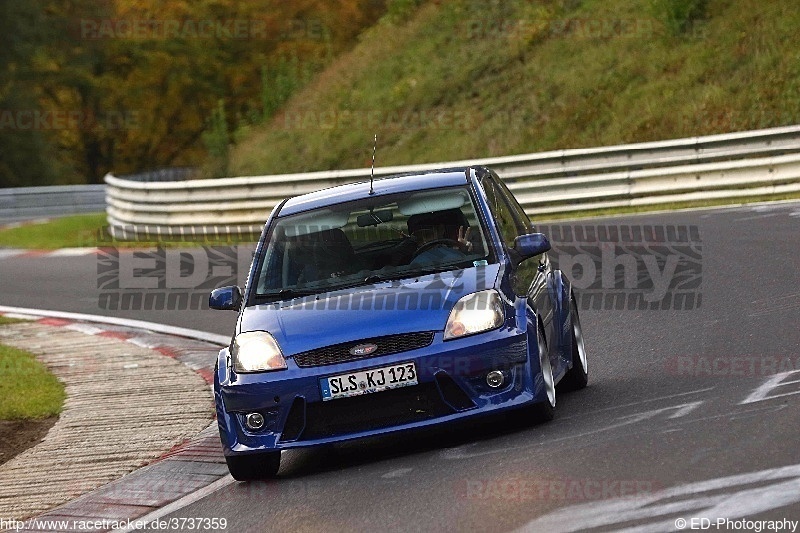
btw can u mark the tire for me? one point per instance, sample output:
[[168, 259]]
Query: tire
[[578, 376], [254, 466], [544, 411]]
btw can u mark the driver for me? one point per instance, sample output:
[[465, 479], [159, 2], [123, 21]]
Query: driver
[[435, 243]]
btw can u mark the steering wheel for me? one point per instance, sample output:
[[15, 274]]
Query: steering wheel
[[437, 242]]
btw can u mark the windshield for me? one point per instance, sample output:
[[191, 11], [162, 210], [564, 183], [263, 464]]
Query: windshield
[[371, 240]]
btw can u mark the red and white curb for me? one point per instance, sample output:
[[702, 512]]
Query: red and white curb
[[181, 476], [108, 323]]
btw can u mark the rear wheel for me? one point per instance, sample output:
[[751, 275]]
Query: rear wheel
[[578, 375], [546, 410], [254, 466]]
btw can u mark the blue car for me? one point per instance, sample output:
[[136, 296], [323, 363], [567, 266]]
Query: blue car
[[416, 300]]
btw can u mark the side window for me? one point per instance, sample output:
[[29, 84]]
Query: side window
[[508, 225], [522, 219]]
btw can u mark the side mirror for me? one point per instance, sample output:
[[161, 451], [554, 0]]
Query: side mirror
[[226, 298], [530, 245]]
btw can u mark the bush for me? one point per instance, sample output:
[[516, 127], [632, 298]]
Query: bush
[[679, 15]]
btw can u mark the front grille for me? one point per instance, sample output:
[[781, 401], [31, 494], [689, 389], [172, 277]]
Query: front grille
[[340, 353], [374, 411]]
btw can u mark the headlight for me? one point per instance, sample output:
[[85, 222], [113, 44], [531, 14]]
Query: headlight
[[480, 311], [256, 351]]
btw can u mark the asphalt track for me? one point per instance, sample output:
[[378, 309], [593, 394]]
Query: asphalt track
[[689, 414]]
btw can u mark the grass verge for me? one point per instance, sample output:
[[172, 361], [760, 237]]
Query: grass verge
[[67, 232], [644, 209], [28, 391], [79, 231], [469, 79]]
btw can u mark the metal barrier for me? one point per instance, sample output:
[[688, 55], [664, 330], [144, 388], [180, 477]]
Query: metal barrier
[[762, 162], [33, 202], [164, 174]]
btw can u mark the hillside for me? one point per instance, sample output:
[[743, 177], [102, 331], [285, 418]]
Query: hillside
[[458, 79]]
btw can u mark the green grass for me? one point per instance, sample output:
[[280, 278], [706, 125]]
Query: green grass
[[27, 389], [595, 213], [5, 320], [79, 231], [68, 232], [468, 79]]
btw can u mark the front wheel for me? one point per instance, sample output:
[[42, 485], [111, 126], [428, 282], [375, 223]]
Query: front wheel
[[254, 466], [546, 410], [578, 375]]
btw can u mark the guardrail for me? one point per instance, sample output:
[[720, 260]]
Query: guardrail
[[761, 162], [164, 174], [33, 202]]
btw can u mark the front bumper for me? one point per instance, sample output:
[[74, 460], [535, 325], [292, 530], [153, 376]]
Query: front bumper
[[451, 386]]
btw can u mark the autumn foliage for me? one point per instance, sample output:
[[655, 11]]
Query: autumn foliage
[[92, 86]]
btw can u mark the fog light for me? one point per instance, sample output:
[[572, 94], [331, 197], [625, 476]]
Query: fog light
[[254, 421], [495, 379]]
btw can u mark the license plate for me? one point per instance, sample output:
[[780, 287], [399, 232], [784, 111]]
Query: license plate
[[368, 381]]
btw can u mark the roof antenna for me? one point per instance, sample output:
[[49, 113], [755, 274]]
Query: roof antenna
[[372, 174]]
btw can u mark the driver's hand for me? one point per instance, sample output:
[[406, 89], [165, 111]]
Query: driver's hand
[[463, 238]]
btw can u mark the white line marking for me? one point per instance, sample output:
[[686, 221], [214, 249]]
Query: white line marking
[[740, 415], [760, 394], [658, 511], [640, 402], [400, 472], [756, 217], [71, 252], [10, 253], [791, 296], [221, 340], [681, 410], [179, 504], [777, 309]]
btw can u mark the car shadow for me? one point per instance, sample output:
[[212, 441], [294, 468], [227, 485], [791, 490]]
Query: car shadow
[[300, 463]]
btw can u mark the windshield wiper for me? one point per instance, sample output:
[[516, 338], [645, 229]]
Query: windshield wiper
[[287, 294], [421, 271]]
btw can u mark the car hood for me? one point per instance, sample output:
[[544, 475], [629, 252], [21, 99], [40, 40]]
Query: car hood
[[421, 303]]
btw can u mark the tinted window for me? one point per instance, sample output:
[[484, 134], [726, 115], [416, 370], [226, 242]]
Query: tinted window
[[508, 222], [522, 220]]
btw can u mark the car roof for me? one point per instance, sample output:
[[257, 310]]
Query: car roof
[[413, 181]]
